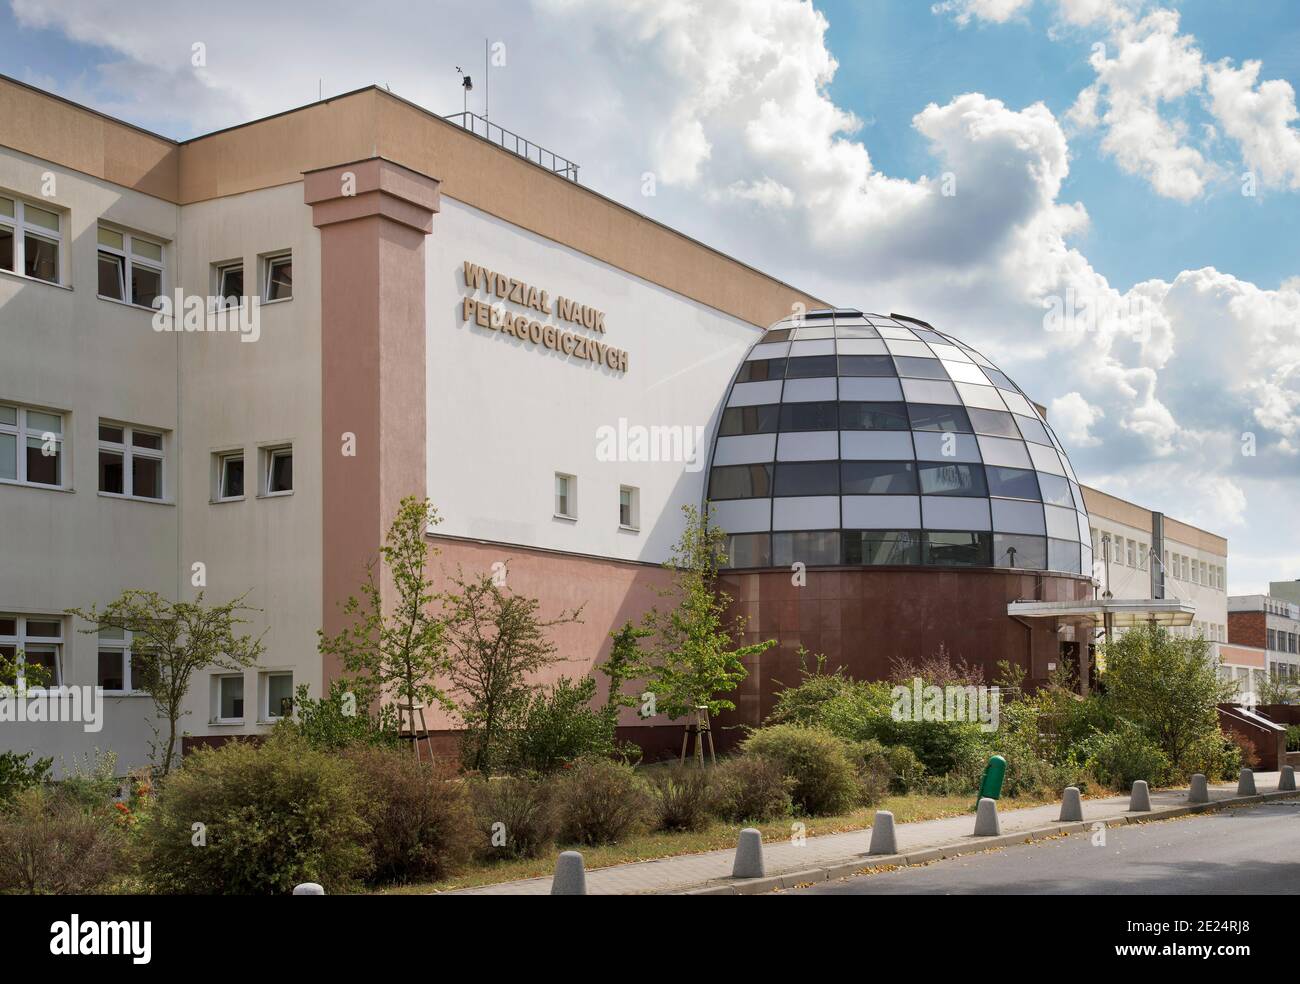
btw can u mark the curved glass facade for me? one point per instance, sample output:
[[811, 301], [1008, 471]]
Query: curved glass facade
[[860, 439]]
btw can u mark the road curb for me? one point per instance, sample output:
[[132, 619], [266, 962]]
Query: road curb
[[866, 863]]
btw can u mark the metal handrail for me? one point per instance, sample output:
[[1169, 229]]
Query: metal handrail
[[513, 142]]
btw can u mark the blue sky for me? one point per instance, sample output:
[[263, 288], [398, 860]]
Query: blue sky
[[810, 141]]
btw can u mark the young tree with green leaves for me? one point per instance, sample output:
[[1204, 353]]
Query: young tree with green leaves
[[626, 661], [1167, 685], [170, 641], [497, 641], [397, 651], [694, 661]]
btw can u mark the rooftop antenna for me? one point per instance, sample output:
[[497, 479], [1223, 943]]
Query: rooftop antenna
[[467, 85]]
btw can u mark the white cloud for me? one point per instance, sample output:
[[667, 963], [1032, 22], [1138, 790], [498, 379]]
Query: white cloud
[[1259, 116], [993, 11], [1073, 417]]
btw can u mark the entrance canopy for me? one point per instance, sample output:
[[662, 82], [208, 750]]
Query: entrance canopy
[[1125, 612]]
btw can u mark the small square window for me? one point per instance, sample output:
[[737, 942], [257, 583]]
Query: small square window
[[629, 511], [279, 471], [566, 504], [279, 279], [130, 461], [230, 476]]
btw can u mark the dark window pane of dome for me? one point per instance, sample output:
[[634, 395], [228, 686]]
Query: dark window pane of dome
[[816, 547], [1033, 430], [749, 420], [996, 423], [1063, 555], [807, 478], [866, 365], [810, 365], [882, 547], [925, 334], [761, 369], [749, 550], [1056, 490], [909, 365], [809, 416], [740, 482], [999, 379], [874, 416], [814, 331], [957, 549], [856, 331], [878, 478], [1025, 552], [777, 335], [939, 417], [951, 479], [1012, 483]]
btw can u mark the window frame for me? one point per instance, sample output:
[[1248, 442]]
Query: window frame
[[22, 643], [130, 259], [22, 434], [268, 264], [633, 525], [21, 228], [264, 715], [220, 460], [219, 297], [219, 680], [129, 451], [570, 496], [267, 455], [125, 652]]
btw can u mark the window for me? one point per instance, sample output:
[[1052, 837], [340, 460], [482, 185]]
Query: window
[[939, 417], [862, 365], [120, 670], [1013, 483], [873, 416], [276, 695], [31, 640], [809, 366], [30, 239], [760, 370], [130, 461], [809, 416], [807, 478], [566, 496], [957, 549], [629, 507], [877, 478], [229, 699], [939, 479], [1132, 553], [749, 420], [881, 547], [279, 278], [1018, 551], [230, 285], [740, 482], [819, 548], [130, 268], [749, 550], [229, 475], [31, 446], [277, 468]]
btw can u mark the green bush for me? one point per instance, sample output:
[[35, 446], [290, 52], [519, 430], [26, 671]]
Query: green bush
[[1031, 768], [907, 768], [245, 819], [18, 772], [600, 801], [1121, 757], [826, 780], [751, 787], [51, 845], [1215, 756], [1292, 738], [560, 726], [419, 813], [683, 797], [93, 783], [338, 721], [514, 817]]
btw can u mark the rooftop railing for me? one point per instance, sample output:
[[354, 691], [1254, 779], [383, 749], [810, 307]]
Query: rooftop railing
[[513, 142]]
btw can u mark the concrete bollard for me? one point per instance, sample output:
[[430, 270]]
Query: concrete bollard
[[1140, 800], [1246, 784], [749, 855], [986, 818], [1071, 805], [1286, 781], [883, 838], [570, 875], [308, 888], [1200, 791]]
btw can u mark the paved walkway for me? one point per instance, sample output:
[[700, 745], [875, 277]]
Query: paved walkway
[[713, 868]]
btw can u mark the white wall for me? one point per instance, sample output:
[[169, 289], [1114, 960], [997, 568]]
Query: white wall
[[504, 415]]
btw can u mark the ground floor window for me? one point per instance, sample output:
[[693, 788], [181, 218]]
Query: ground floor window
[[228, 699], [277, 695], [28, 641]]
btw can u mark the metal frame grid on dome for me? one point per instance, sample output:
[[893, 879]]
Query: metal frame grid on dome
[[862, 439]]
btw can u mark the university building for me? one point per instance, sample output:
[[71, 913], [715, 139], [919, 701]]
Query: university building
[[362, 301]]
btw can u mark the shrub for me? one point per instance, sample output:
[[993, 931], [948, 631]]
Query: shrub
[[523, 807], [1249, 756], [683, 797], [600, 801], [907, 768], [92, 783], [1121, 757], [337, 720], [751, 787], [51, 845], [18, 772], [272, 816], [825, 778], [1292, 739], [419, 814], [1031, 768], [1216, 756], [558, 727]]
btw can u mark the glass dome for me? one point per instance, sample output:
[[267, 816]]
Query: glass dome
[[858, 439]]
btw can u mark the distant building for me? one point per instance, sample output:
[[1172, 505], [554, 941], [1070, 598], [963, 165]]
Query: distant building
[[1270, 625]]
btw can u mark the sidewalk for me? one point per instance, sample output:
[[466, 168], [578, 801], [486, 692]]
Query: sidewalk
[[839, 855]]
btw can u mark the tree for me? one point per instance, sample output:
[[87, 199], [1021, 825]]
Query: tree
[[626, 661], [1273, 689], [1167, 685], [396, 654], [694, 660], [170, 641], [498, 641]]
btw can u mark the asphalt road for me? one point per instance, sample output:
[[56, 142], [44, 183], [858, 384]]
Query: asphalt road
[[1235, 852]]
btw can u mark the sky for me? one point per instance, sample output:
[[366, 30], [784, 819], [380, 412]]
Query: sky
[[1100, 195]]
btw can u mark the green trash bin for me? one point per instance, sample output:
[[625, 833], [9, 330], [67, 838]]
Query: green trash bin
[[994, 773]]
